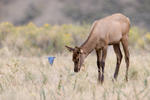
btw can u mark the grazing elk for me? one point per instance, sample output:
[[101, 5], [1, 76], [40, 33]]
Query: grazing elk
[[110, 30]]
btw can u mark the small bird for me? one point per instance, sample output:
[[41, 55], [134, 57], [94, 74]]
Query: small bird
[[51, 60]]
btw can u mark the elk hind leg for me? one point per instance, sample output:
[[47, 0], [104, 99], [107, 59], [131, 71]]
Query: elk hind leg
[[126, 51], [119, 59]]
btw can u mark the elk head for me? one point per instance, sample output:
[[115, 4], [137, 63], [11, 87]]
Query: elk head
[[78, 57]]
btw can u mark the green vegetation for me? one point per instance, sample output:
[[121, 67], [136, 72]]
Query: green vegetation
[[32, 40]]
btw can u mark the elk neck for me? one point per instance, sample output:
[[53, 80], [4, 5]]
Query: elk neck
[[88, 46]]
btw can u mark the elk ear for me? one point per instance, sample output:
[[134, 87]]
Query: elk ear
[[70, 48]]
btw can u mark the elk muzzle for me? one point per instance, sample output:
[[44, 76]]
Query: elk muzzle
[[76, 68]]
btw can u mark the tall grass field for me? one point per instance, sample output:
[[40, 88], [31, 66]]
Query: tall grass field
[[25, 73]]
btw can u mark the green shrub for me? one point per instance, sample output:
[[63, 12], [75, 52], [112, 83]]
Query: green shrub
[[32, 40], [147, 36]]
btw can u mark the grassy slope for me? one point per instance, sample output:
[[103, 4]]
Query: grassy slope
[[32, 78]]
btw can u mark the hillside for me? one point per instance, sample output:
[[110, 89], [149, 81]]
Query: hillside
[[40, 12]]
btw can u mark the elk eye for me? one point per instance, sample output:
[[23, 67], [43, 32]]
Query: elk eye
[[78, 52]]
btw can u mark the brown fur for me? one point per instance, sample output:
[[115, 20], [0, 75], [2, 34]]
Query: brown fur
[[110, 30]]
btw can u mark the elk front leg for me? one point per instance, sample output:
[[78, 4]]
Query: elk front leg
[[104, 53], [98, 52]]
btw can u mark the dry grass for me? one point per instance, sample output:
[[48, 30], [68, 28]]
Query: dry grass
[[32, 78]]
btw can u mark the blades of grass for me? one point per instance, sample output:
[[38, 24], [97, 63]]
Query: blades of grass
[[60, 83], [105, 94], [93, 92], [53, 96], [42, 94], [1, 88], [135, 92], [75, 84], [145, 86], [118, 95], [123, 93], [148, 92]]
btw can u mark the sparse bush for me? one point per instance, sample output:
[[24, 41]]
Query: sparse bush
[[147, 36], [138, 38], [32, 40], [140, 43]]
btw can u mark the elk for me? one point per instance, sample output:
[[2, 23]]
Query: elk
[[111, 30]]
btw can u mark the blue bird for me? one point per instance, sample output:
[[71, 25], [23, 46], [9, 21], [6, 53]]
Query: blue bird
[[51, 60]]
